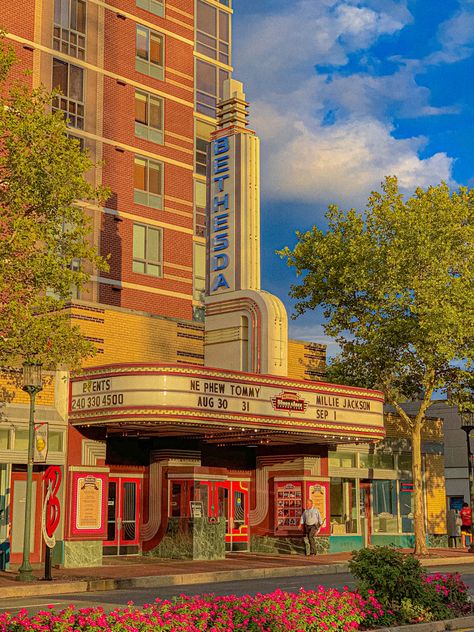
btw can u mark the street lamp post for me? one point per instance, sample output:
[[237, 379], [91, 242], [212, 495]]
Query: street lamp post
[[32, 385], [467, 418]]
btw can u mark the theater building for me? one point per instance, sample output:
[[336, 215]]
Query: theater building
[[187, 437]]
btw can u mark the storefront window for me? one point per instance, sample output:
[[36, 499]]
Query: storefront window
[[404, 462], [4, 438], [384, 503], [341, 459], [343, 502], [376, 461], [406, 506]]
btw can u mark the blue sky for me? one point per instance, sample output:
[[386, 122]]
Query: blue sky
[[344, 92]]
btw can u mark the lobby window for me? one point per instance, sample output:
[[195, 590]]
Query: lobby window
[[148, 182], [149, 52], [213, 32], [209, 87], [69, 79], [149, 117], [147, 250], [69, 31], [384, 504], [153, 6]]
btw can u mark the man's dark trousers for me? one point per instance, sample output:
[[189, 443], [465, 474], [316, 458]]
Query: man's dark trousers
[[310, 532]]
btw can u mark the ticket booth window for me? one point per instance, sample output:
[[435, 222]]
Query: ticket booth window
[[181, 495]]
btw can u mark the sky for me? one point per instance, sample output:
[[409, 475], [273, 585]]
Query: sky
[[343, 93]]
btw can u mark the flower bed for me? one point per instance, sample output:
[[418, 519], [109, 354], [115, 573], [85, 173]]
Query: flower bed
[[319, 610]]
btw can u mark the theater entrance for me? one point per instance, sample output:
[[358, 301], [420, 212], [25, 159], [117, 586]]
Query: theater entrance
[[123, 517], [229, 501]]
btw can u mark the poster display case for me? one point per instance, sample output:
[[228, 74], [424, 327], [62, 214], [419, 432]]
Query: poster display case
[[288, 506]]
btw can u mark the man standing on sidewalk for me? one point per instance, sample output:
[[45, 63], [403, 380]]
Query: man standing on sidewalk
[[311, 522]]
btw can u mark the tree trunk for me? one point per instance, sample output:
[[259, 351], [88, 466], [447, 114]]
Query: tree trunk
[[419, 514]]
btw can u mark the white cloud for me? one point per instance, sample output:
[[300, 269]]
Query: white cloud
[[456, 36], [309, 156], [339, 163]]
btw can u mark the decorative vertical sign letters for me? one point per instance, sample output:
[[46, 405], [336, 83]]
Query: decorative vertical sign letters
[[222, 217]]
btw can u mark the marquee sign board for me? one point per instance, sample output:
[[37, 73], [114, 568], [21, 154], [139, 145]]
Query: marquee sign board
[[226, 394]]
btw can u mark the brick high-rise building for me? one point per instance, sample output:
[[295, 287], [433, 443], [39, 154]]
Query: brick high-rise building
[[140, 81]]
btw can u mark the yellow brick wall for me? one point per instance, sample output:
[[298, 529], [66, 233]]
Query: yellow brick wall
[[125, 336], [11, 393], [432, 431], [435, 493], [306, 360]]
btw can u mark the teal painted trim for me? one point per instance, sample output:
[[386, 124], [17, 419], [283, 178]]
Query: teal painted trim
[[404, 541], [341, 543]]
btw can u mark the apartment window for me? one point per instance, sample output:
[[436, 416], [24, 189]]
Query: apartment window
[[209, 87], [149, 117], [148, 182], [199, 272], [200, 193], [213, 32], [149, 52], [69, 79], [69, 31], [203, 136], [153, 6], [147, 250]]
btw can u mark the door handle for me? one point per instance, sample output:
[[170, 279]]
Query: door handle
[[119, 524]]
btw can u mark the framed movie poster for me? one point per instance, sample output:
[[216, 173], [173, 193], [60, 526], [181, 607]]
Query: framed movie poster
[[89, 503]]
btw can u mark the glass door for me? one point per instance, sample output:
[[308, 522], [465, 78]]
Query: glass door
[[123, 517]]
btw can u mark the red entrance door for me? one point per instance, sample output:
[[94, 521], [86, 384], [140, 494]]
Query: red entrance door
[[17, 517], [229, 501], [123, 524], [365, 511]]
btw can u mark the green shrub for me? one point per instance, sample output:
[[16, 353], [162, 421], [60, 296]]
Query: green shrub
[[392, 575]]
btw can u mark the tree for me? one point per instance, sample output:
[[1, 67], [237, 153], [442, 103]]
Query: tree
[[44, 232], [396, 284]]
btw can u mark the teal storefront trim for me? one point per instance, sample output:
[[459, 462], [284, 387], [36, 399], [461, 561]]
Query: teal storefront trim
[[404, 541], [340, 543]]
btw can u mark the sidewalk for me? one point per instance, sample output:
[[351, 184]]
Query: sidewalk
[[142, 572]]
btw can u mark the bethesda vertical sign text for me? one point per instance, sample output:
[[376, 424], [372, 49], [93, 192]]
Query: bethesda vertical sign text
[[220, 224]]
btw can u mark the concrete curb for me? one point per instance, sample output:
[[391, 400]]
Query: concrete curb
[[157, 581], [433, 626]]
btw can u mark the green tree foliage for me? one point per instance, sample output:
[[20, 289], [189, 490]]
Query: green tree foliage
[[396, 287], [42, 228]]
